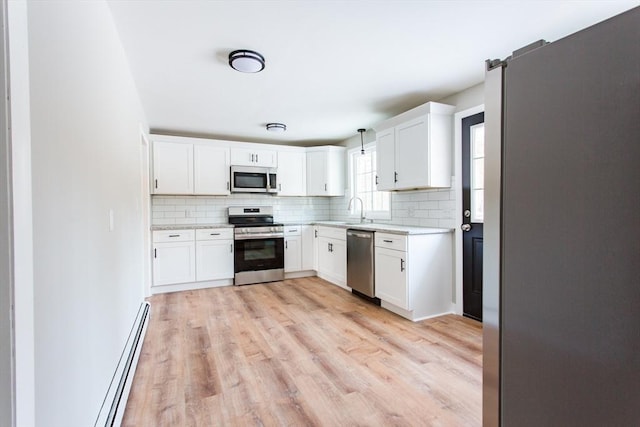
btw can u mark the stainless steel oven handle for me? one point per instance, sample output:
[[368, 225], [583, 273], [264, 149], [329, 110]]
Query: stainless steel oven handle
[[258, 236]]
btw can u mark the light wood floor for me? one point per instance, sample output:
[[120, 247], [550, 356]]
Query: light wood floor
[[302, 353]]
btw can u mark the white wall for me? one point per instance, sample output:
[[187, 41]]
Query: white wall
[[6, 278], [85, 116]]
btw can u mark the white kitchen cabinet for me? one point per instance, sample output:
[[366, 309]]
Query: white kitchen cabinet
[[308, 248], [325, 171], [214, 254], [292, 173], [173, 257], [332, 255], [172, 168], [414, 274], [292, 248], [211, 169], [414, 149], [254, 157]]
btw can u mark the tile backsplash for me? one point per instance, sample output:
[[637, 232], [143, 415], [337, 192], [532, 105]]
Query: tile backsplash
[[425, 208], [166, 210]]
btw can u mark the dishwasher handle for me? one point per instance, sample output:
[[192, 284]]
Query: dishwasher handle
[[360, 235]]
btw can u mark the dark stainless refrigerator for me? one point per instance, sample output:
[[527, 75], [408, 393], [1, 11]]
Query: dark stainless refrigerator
[[561, 301]]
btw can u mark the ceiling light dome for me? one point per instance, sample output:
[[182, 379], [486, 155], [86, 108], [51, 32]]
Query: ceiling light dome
[[276, 127], [246, 61]]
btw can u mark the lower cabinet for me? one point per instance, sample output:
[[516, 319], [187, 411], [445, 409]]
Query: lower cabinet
[[190, 256], [174, 258], [332, 255], [292, 248], [414, 274], [214, 254]]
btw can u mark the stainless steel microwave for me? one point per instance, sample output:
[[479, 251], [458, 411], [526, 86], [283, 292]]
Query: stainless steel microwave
[[253, 179]]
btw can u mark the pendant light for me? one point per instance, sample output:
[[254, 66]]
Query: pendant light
[[362, 131]]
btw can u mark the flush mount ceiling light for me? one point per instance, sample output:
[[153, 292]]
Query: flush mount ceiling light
[[362, 131], [276, 127], [246, 61]]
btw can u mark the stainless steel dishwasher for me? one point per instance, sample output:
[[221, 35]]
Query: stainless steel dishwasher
[[360, 264]]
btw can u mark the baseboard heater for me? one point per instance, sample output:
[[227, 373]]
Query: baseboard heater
[[115, 401]]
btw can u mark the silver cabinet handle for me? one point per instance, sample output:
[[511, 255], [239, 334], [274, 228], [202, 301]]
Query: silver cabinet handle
[[214, 234], [227, 185], [401, 264], [156, 183], [256, 158], [174, 235], [279, 187], [315, 233], [325, 187], [295, 230], [395, 177], [376, 179], [155, 253], [231, 248], [388, 241], [252, 157]]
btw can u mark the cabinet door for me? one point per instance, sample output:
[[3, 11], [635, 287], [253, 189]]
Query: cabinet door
[[211, 170], [316, 247], [339, 261], [308, 248], [292, 178], [316, 173], [214, 260], [174, 262], [412, 154], [253, 157], [385, 159], [292, 254], [335, 172], [324, 256], [391, 277], [172, 168]]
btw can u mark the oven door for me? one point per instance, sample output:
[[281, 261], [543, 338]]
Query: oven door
[[255, 257]]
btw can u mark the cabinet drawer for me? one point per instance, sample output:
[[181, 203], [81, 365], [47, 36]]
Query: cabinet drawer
[[214, 234], [332, 233], [391, 241], [292, 230], [173, 235]]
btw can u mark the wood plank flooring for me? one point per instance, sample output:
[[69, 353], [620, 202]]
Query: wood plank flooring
[[302, 352]]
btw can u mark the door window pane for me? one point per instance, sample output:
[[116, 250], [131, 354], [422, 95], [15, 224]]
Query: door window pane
[[477, 173]]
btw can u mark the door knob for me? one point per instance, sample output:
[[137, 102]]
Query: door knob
[[465, 227]]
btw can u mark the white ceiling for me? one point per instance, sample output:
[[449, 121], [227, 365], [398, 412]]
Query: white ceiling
[[331, 66]]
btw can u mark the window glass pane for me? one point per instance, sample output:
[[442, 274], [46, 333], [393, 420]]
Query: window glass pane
[[478, 173], [477, 138], [477, 206], [363, 173]]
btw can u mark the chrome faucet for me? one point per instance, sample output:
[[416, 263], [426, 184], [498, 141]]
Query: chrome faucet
[[361, 208]]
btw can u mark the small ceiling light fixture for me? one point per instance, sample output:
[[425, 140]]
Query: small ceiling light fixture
[[246, 61], [362, 131], [276, 127]]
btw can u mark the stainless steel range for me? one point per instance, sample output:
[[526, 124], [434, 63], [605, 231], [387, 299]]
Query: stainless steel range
[[259, 245]]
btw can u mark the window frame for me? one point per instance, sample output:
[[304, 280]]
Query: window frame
[[354, 212]]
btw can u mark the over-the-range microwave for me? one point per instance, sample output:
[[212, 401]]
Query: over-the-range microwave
[[253, 179]]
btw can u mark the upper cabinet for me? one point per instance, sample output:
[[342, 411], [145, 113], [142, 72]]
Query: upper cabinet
[[172, 168], [211, 172], [190, 167], [414, 149], [325, 171], [254, 157], [292, 168]]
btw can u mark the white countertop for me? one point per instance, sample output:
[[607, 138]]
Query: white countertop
[[386, 228], [189, 226]]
